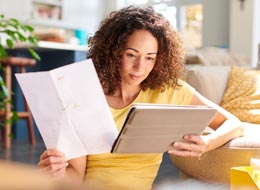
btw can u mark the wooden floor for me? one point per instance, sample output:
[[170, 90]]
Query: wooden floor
[[167, 179], [22, 151]]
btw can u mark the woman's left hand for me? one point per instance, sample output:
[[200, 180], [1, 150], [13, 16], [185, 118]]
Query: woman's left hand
[[192, 146]]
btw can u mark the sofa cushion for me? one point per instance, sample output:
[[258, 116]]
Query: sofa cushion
[[210, 81], [208, 56], [242, 96]]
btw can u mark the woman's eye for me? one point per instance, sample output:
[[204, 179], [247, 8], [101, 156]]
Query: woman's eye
[[150, 58], [131, 55]]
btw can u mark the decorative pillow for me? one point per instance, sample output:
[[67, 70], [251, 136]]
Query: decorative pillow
[[210, 81], [242, 95]]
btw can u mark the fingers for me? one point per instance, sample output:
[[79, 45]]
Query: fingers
[[51, 152], [193, 146], [51, 156], [185, 153], [193, 138], [53, 162], [189, 146], [55, 169]]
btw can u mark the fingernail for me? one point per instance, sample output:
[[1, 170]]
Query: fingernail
[[67, 164]]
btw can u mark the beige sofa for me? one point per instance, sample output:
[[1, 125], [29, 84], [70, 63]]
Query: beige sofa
[[215, 165]]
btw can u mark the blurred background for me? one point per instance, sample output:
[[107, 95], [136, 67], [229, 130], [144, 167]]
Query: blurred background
[[230, 24]]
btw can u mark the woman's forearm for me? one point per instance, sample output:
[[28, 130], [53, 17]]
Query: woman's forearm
[[75, 172], [73, 176], [230, 129]]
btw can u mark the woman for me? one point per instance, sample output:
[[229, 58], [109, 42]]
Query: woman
[[139, 59]]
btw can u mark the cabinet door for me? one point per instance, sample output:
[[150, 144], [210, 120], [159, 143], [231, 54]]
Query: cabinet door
[[19, 9]]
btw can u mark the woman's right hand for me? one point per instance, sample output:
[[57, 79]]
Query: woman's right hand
[[53, 162]]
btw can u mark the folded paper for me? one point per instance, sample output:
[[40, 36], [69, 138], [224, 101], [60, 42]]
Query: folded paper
[[70, 109]]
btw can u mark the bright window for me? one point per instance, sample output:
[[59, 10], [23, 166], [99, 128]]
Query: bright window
[[185, 17], [192, 31]]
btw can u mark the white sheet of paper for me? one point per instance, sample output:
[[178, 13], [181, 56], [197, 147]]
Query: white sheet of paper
[[70, 109]]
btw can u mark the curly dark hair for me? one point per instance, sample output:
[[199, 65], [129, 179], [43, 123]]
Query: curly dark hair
[[109, 40]]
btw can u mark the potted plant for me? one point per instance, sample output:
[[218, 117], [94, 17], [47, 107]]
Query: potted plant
[[12, 32]]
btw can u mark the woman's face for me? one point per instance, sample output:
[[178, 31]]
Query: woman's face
[[138, 57]]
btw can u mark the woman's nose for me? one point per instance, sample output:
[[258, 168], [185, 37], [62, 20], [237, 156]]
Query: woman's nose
[[138, 63]]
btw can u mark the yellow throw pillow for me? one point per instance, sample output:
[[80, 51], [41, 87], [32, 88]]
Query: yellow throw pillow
[[242, 95]]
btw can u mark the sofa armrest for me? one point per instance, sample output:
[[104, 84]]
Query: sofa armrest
[[216, 164]]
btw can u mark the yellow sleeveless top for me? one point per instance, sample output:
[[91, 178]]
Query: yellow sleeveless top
[[132, 171]]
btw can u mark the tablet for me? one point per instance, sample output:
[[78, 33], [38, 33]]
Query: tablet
[[153, 128]]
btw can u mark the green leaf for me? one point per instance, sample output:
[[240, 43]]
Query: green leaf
[[10, 135], [2, 124], [2, 96], [28, 28], [34, 54], [3, 53], [15, 116], [11, 34], [8, 32], [9, 121], [1, 80], [14, 26], [33, 40], [15, 21], [4, 25], [5, 91], [22, 38], [10, 43], [3, 87], [2, 16]]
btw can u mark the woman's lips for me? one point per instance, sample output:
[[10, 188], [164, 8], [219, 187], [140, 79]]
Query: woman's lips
[[135, 77]]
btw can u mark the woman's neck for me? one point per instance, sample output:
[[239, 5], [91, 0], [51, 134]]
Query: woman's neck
[[123, 96]]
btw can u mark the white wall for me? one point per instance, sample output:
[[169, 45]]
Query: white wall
[[215, 29], [16, 9], [84, 14], [256, 33], [241, 28], [245, 29]]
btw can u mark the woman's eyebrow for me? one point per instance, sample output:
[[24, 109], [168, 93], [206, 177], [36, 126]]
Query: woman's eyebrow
[[138, 51], [132, 49]]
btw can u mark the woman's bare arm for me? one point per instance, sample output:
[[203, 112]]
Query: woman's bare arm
[[54, 163], [225, 125]]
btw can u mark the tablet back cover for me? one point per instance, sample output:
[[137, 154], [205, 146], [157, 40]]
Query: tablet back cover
[[151, 128]]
